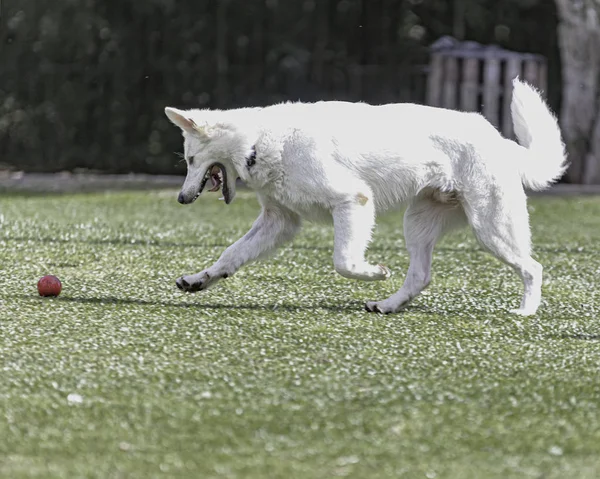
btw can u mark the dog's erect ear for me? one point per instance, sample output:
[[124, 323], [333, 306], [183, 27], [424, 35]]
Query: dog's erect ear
[[180, 119], [183, 120]]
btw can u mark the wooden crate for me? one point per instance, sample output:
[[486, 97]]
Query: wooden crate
[[469, 76]]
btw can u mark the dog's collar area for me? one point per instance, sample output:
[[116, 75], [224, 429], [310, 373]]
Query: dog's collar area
[[251, 158]]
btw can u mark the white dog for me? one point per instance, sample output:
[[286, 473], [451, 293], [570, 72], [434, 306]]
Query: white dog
[[350, 161]]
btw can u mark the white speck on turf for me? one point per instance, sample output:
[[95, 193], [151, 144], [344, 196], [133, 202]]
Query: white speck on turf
[[74, 398]]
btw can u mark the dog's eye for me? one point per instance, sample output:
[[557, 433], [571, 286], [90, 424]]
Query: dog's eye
[[190, 160], [251, 160]]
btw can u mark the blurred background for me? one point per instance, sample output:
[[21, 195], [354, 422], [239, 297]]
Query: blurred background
[[83, 83]]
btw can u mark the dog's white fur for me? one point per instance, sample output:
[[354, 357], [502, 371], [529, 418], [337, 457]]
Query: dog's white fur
[[350, 161]]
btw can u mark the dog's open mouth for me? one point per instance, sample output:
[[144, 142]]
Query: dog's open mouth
[[217, 175]]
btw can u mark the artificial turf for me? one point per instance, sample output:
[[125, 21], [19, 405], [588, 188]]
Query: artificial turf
[[278, 371]]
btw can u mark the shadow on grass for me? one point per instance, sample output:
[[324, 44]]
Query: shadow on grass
[[171, 244], [353, 307], [111, 300], [112, 242], [422, 310]]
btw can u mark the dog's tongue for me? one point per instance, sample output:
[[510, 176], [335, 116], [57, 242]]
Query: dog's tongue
[[215, 178]]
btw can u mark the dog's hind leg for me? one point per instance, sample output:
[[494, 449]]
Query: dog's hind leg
[[425, 221], [353, 221], [501, 224]]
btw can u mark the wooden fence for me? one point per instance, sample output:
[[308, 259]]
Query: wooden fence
[[474, 77]]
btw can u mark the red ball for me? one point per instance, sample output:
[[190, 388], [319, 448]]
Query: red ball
[[49, 286]]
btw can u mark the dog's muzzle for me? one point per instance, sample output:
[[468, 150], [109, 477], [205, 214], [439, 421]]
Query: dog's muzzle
[[217, 174]]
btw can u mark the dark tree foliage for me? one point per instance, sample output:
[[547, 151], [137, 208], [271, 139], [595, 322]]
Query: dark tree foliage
[[83, 83]]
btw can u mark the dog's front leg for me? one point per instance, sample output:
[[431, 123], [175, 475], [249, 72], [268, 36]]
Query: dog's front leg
[[274, 226], [353, 222]]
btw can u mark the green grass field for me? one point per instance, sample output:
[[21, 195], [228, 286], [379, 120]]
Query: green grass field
[[278, 371]]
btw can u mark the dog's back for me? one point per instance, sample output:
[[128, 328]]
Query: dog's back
[[397, 149]]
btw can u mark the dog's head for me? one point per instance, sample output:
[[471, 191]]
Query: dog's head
[[213, 151]]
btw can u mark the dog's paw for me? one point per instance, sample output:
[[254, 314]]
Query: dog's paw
[[387, 306], [364, 271], [196, 282], [186, 284], [379, 307]]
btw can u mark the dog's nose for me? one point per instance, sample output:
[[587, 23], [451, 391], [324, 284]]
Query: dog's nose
[[181, 199]]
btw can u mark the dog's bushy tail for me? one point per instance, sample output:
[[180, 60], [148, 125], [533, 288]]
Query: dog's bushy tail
[[537, 130]]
